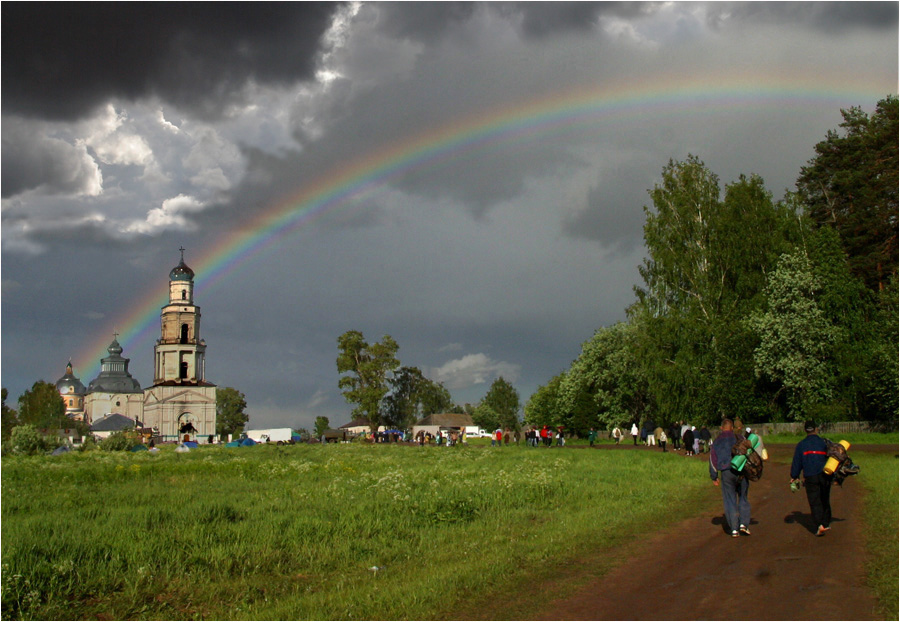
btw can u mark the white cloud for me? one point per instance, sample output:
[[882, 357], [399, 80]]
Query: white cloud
[[112, 144], [473, 369], [171, 215]]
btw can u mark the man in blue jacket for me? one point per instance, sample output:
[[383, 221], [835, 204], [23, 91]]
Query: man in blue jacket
[[734, 486], [810, 457]]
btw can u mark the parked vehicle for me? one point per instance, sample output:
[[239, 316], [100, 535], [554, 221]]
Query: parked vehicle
[[272, 435]]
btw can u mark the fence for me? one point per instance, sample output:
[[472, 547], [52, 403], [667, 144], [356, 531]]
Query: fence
[[837, 427]]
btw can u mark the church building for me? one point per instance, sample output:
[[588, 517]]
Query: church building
[[181, 404]]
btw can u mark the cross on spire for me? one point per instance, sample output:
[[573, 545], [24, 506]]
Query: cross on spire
[[181, 248]]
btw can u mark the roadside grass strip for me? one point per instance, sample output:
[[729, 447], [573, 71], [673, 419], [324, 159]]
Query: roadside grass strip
[[879, 475], [316, 532]]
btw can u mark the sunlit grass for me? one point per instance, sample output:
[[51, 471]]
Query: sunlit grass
[[293, 532], [879, 474]]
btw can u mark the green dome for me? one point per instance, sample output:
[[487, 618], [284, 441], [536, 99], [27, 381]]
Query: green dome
[[181, 272]]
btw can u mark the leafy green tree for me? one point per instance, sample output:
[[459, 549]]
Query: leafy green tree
[[503, 399], [705, 273], [606, 379], [851, 185], [10, 420], [401, 407], [435, 398], [321, 425], [230, 415], [796, 338], [543, 405], [486, 418], [366, 370], [43, 407]]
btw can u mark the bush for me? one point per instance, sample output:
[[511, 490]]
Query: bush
[[88, 444], [119, 441], [25, 439]]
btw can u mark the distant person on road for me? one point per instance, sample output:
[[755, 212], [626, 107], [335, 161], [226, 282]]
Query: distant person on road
[[675, 435], [662, 439], [634, 432], [592, 436], [705, 438], [688, 439], [735, 487], [810, 457], [616, 434], [696, 439]]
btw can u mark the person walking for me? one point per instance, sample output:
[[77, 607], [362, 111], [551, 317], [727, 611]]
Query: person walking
[[675, 435], [617, 434], [592, 436], [662, 439], [688, 439], [735, 488], [634, 432], [810, 456]]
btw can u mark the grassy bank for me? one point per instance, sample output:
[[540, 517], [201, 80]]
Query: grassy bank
[[294, 532], [879, 475]]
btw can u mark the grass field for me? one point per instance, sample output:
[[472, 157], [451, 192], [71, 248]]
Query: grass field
[[880, 477], [293, 532]]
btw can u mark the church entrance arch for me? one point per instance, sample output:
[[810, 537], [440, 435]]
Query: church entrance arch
[[187, 431]]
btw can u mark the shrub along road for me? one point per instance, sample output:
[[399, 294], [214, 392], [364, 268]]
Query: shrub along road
[[696, 571]]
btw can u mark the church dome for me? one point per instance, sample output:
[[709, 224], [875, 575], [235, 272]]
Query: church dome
[[70, 384], [181, 272], [114, 376]]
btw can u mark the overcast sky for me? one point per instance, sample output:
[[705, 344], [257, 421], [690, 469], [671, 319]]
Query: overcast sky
[[131, 130]]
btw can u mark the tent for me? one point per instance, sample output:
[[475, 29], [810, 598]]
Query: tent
[[191, 444], [247, 442], [233, 444], [60, 450], [139, 447], [296, 437], [181, 449]]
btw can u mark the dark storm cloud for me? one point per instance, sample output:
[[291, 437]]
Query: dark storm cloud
[[827, 16], [613, 214], [32, 160], [428, 21], [61, 60]]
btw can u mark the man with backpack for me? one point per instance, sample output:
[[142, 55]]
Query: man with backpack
[[734, 486], [810, 457]]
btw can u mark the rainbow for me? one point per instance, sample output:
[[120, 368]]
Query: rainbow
[[574, 111]]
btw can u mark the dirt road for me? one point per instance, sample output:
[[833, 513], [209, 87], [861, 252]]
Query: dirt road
[[696, 571]]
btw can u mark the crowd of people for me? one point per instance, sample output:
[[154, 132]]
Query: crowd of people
[[679, 433]]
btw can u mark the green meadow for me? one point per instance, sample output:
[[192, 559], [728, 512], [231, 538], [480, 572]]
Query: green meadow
[[322, 532], [294, 532]]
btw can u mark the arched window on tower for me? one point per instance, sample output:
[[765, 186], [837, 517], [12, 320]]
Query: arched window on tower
[[184, 294], [184, 333], [183, 371]]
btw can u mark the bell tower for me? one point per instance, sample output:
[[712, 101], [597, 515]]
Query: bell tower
[[180, 353]]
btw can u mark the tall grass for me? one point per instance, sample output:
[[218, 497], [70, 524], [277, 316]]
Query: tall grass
[[879, 475], [296, 532]]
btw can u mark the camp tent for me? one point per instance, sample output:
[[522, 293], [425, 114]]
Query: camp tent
[[233, 444], [248, 442], [139, 447]]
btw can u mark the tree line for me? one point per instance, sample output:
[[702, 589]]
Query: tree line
[[749, 307], [386, 393]]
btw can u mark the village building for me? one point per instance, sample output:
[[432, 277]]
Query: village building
[[359, 426], [180, 404], [445, 422]]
